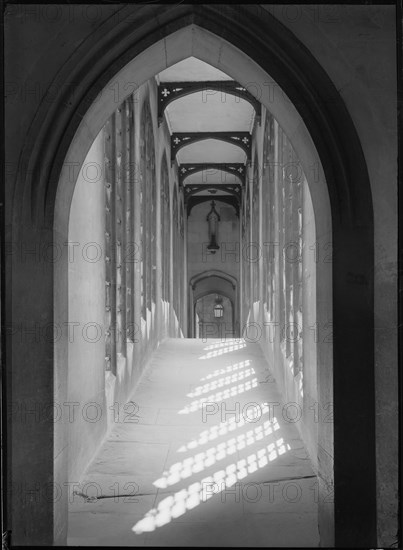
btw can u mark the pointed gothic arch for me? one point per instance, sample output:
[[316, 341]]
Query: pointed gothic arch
[[42, 203]]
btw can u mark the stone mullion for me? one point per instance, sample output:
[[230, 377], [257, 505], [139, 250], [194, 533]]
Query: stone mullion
[[276, 257], [265, 198], [143, 229], [185, 294], [163, 232], [167, 241], [148, 184], [272, 222], [171, 258], [128, 164], [288, 248], [153, 232], [272, 248], [267, 249], [295, 255], [254, 240], [175, 249], [248, 235], [257, 239], [248, 255], [245, 262], [282, 240], [162, 229], [133, 242], [182, 260], [110, 248], [120, 237], [299, 277], [243, 272], [137, 220]]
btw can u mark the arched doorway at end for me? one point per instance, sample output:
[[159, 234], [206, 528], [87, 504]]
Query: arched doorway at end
[[213, 316], [214, 282]]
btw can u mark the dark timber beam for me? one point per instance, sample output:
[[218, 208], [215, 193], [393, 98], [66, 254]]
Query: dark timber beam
[[237, 169], [171, 91], [182, 139], [234, 190], [194, 201]]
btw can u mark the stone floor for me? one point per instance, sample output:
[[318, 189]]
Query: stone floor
[[180, 473]]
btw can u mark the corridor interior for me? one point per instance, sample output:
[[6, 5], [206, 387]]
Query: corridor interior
[[194, 298], [212, 459]]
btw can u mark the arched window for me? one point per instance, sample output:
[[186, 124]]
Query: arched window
[[246, 250], [148, 209], [269, 220], [175, 245], [255, 245], [181, 238], [165, 228], [290, 198], [119, 231]]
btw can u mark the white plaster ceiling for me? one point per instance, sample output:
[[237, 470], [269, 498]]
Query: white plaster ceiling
[[211, 150], [207, 111], [211, 111], [212, 195], [191, 70], [210, 177]]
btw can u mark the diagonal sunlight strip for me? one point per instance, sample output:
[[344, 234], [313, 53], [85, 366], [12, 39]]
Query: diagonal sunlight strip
[[215, 384], [217, 352], [224, 343], [234, 423], [201, 461], [177, 504], [220, 396], [225, 370]]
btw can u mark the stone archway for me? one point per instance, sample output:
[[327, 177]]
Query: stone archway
[[343, 209], [202, 284], [207, 325]]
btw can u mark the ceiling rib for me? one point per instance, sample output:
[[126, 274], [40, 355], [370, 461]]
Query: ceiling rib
[[194, 200], [239, 139], [237, 169], [171, 91], [190, 190]]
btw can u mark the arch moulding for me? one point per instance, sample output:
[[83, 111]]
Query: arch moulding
[[136, 47]]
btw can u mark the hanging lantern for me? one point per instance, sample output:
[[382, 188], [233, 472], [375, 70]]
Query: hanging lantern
[[218, 308], [213, 218]]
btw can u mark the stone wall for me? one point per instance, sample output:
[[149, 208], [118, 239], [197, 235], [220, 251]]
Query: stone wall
[[355, 45]]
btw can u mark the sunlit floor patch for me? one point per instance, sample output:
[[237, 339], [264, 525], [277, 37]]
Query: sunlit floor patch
[[234, 423], [221, 351], [197, 493], [225, 381], [229, 368], [220, 396], [199, 462], [223, 343], [189, 472]]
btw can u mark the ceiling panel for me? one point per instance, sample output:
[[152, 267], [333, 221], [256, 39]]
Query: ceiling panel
[[210, 111], [205, 193], [191, 69], [207, 111], [211, 150], [211, 176]]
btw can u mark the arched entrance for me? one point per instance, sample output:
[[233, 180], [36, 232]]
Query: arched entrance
[[213, 317], [214, 281], [323, 133]]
